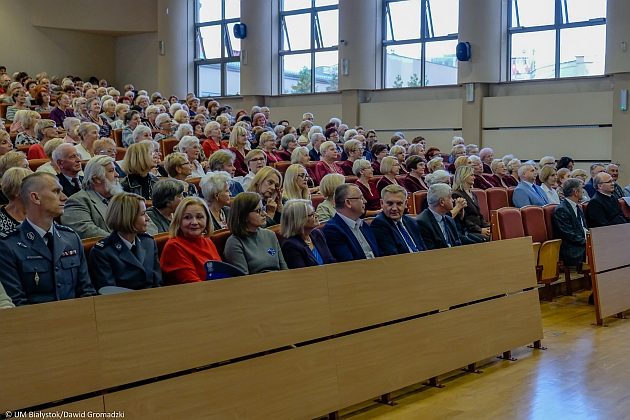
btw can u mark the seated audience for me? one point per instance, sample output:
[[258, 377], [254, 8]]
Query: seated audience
[[603, 208], [165, 128], [50, 166], [19, 103], [487, 156], [13, 213], [353, 150], [326, 209], [287, 144], [138, 163], [613, 170], [68, 161], [255, 160], [588, 186], [39, 239], [191, 147], [413, 181], [267, 143], [189, 246], [26, 120], [549, 183], [396, 233], [398, 152], [304, 245], [70, 125], [348, 237], [527, 193], [565, 162], [179, 167], [45, 130], [213, 142], [500, 177], [316, 140], [251, 248], [215, 187], [131, 120], [437, 228], [223, 160], [267, 183], [326, 164], [471, 220], [379, 151], [167, 194], [88, 134], [435, 164], [477, 167], [94, 115], [390, 168], [62, 110], [295, 183], [569, 224], [364, 171], [512, 167], [5, 142], [238, 146], [128, 257], [107, 147]]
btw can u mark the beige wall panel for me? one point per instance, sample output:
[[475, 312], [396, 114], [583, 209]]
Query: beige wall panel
[[299, 383], [374, 362], [322, 113], [47, 345], [437, 138], [154, 332], [136, 61], [548, 110], [370, 293], [579, 143], [412, 115]]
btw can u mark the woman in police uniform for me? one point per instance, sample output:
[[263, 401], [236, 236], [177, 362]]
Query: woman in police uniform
[[128, 257]]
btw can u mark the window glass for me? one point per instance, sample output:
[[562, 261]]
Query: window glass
[[210, 41], [581, 10], [233, 78], [533, 12], [444, 16], [232, 44], [232, 9], [402, 62], [326, 71], [297, 35], [405, 20], [582, 51], [208, 10], [329, 24], [533, 55], [295, 4], [440, 63], [209, 77], [296, 73], [326, 2]]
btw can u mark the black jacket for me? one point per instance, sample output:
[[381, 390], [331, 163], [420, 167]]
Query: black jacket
[[567, 226], [389, 239]]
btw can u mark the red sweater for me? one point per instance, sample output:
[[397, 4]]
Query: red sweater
[[183, 259], [36, 151]]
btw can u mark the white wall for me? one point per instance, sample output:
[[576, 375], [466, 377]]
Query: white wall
[[136, 61]]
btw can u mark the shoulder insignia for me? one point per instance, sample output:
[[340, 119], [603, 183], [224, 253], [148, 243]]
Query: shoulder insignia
[[144, 235], [63, 227], [100, 244]]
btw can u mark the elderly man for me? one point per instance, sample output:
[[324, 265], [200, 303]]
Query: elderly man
[[589, 187], [42, 261], [316, 140], [603, 208], [486, 155], [395, 232], [71, 124], [347, 236], [612, 169], [569, 223], [527, 193], [68, 161], [437, 227]]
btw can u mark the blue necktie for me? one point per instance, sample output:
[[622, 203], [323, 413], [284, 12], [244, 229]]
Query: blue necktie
[[406, 237], [540, 194]]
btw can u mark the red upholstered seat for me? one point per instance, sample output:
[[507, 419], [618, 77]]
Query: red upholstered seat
[[220, 237], [624, 207], [351, 179], [160, 241], [510, 224], [317, 199], [534, 223], [419, 201], [168, 145], [510, 193], [282, 166], [120, 153], [482, 199], [548, 212], [33, 164], [117, 136], [496, 197]]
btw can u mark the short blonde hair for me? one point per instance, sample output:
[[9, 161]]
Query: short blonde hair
[[359, 165], [577, 173], [435, 164], [138, 158], [27, 118], [12, 181], [461, 161], [172, 161], [545, 172], [179, 116], [41, 125], [325, 146], [122, 211], [253, 153], [387, 164], [294, 217], [351, 146], [329, 183], [12, 159], [100, 144], [174, 229], [263, 174], [290, 187], [495, 164], [237, 131], [212, 125], [298, 153]]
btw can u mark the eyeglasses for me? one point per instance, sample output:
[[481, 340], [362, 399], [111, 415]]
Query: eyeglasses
[[354, 198], [260, 159]]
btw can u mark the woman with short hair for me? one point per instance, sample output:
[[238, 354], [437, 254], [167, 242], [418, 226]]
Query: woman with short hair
[[42, 99], [19, 103], [5, 142], [191, 147], [26, 120], [326, 164], [62, 109], [94, 115], [354, 151], [138, 163], [398, 152], [267, 143], [304, 246], [189, 246], [499, 173], [251, 248], [379, 151], [512, 168], [167, 194], [88, 134], [288, 143], [238, 146], [363, 170], [255, 161], [108, 113], [215, 187], [131, 120], [414, 181], [119, 122], [549, 183], [267, 183], [13, 213], [212, 131], [326, 209], [45, 130], [128, 257], [390, 168]]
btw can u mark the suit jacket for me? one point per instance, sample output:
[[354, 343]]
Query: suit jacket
[[342, 243], [589, 188], [604, 211], [113, 264], [85, 213], [567, 226], [432, 234], [389, 238], [297, 254], [68, 188], [472, 220], [314, 154], [524, 195], [30, 274]]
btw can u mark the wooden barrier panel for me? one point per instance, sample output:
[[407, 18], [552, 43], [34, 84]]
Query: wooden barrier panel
[[95, 405], [610, 244]]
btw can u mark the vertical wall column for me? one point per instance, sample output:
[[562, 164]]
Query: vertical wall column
[[175, 61], [259, 48]]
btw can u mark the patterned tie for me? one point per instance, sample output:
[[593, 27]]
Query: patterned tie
[[401, 228], [75, 182]]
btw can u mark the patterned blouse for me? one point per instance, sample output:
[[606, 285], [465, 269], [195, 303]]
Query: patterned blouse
[[7, 223]]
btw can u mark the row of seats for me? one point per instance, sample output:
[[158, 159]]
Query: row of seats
[[491, 199]]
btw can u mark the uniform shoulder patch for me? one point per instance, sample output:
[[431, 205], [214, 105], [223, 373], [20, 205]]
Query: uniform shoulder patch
[[100, 243], [63, 227]]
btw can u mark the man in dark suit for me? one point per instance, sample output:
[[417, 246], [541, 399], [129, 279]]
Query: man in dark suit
[[612, 169], [347, 236], [569, 223], [316, 140], [69, 162], [437, 228], [589, 187], [604, 208], [395, 232]]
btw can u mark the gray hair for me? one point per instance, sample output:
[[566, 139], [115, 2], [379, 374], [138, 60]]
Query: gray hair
[[523, 168], [161, 119], [95, 168], [138, 131], [438, 177], [58, 153], [316, 136], [69, 122], [179, 134], [570, 186], [186, 142], [359, 165], [314, 130], [294, 217], [297, 154], [438, 192], [213, 183], [288, 138], [165, 191], [279, 130], [546, 160]]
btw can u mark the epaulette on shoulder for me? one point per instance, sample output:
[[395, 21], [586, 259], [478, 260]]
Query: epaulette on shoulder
[[7, 234], [144, 235], [63, 227]]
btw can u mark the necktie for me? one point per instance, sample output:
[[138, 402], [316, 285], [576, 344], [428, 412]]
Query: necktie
[[75, 182], [50, 243], [580, 214], [401, 228], [541, 195]]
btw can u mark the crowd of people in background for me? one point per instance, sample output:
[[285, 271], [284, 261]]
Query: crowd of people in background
[[317, 182]]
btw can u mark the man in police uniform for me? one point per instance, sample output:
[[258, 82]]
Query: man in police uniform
[[40, 260]]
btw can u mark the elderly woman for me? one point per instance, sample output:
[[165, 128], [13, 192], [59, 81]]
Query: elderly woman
[[438, 177], [435, 164], [19, 103], [80, 108], [26, 120], [45, 130], [390, 168], [50, 166], [267, 144], [471, 220], [500, 177], [167, 194], [326, 209], [432, 152], [295, 183], [191, 147], [288, 143], [88, 134], [151, 114], [109, 111], [414, 181], [119, 122], [267, 183], [62, 110], [456, 151], [399, 153], [94, 115], [224, 122], [213, 142], [189, 246], [131, 121], [181, 116], [304, 246], [223, 160], [363, 170], [354, 152], [379, 151], [215, 187], [512, 168], [128, 257], [107, 147], [137, 164], [13, 213], [255, 161], [477, 166], [326, 164], [238, 146], [549, 183], [183, 130], [179, 167], [251, 248], [5, 143]]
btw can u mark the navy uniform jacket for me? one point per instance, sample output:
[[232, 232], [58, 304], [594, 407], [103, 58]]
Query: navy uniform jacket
[[27, 267], [113, 264], [389, 239]]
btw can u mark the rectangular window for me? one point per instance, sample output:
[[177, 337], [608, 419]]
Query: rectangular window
[[217, 50], [309, 39], [556, 38], [419, 42]]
